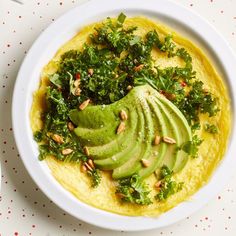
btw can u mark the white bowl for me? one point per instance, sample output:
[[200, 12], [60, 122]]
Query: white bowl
[[44, 48]]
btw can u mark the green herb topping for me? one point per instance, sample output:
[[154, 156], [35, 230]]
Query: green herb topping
[[133, 190], [168, 186]]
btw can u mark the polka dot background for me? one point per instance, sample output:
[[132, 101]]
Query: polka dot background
[[24, 209]]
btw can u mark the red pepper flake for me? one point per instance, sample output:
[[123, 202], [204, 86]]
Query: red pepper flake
[[77, 76], [183, 84]]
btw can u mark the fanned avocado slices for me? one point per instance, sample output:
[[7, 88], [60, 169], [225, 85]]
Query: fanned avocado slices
[[133, 150]]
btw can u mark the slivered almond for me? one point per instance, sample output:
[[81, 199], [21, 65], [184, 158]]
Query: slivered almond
[[169, 140], [84, 104], [121, 127], [139, 67], [91, 164], [67, 151], [90, 71], [86, 151], [70, 126], [57, 138], [157, 140], [88, 166], [123, 115], [145, 162]]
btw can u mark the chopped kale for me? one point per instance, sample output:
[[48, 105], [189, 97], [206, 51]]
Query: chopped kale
[[191, 147], [168, 186], [133, 190], [210, 128], [95, 177]]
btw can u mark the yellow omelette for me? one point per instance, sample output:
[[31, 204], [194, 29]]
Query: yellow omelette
[[196, 173]]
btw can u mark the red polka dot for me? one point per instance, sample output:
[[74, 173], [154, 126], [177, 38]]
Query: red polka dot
[[16, 233]]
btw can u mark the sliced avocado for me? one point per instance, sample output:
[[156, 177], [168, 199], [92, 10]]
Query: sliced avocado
[[134, 164], [158, 152], [184, 132], [94, 129], [118, 143], [149, 114], [117, 159], [172, 132]]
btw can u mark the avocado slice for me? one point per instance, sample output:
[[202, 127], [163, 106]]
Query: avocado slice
[[118, 143], [130, 167], [158, 151], [133, 149], [171, 153], [134, 164], [184, 132]]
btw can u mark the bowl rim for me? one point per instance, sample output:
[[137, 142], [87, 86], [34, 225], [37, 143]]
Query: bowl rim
[[21, 103]]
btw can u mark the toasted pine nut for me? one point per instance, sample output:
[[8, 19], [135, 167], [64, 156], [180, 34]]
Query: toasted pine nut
[[70, 126], [67, 151], [88, 166], [57, 138], [120, 128], [84, 104], [157, 140], [91, 164], [83, 168], [86, 151], [123, 115], [169, 140], [145, 162]]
